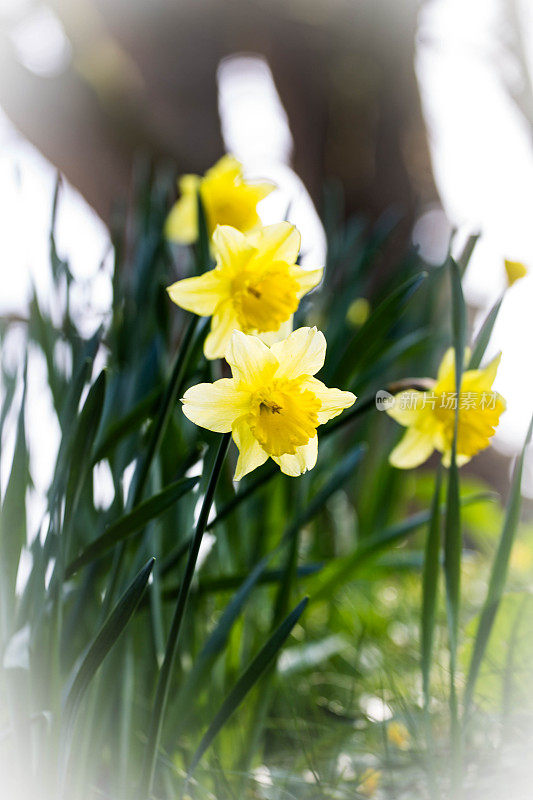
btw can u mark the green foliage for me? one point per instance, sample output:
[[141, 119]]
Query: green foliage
[[116, 666]]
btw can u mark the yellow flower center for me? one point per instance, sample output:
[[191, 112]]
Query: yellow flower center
[[284, 417], [263, 300]]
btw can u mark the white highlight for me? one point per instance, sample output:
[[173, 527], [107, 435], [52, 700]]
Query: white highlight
[[40, 42], [255, 128], [482, 155]]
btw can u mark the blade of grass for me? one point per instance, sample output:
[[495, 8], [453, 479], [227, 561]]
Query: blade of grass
[[13, 519], [227, 583], [430, 578], [98, 650], [498, 576], [80, 453], [483, 337], [247, 680], [202, 245], [466, 254], [218, 639], [452, 523]]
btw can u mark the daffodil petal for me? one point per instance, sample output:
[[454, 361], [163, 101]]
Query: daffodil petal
[[251, 454], [188, 184], [215, 406], [301, 353], [303, 460], [261, 190], [251, 361], [309, 452], [284, 330], [334, 401], [227, 166], [182, 222], [223, 323], [201, 294], [515, 271], [481, 380], [446, 374], [460, 460], [280, 242], [307, 278], [231, 247], [407, 407], [414, 448]]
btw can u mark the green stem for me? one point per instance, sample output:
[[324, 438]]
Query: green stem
[[163, 683]]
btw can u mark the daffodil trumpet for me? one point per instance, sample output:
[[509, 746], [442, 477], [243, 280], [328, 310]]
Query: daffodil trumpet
[[272, 404], [255, 287], [429, 415]]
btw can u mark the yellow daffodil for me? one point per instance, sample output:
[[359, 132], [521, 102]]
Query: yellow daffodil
[[429, 416], [272, 405], [227, 199], [370, 781], [255, 287], [515, 270], [398, 735]]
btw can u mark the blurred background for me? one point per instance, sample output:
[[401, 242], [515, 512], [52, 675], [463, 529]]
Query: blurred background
[[422, 110]]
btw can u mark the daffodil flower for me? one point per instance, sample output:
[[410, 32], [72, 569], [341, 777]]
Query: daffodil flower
[[515, 270], [227, 199], [255, 287], [429, 416], [272, 405]]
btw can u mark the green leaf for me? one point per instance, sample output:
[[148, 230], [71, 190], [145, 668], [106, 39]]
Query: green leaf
[[466, 255], [430, 580], [166, 407], [483, 337], [13, 518], [358, 349], [80, 461], [215, 645], [227, 583], [45, 335], [247, 680], [453, 540], [98, 650], [69, 411], [163, 681], [202, 245], [498, 575], [132, 523], [112, 435], [340, 475], [342, 569]]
